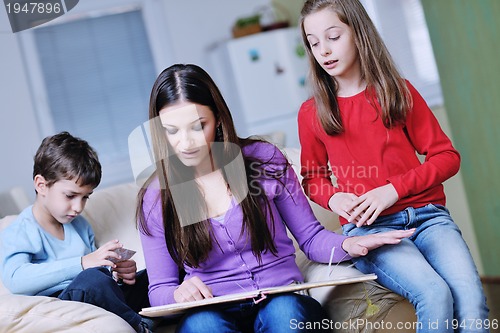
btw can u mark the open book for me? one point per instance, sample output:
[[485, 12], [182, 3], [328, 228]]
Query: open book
[[178, 308]]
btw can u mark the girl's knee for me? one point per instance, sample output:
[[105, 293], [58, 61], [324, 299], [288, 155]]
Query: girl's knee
[[289, 312], [437, 293], [201, 321], [293, 306]]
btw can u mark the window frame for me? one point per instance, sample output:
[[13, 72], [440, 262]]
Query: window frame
[[161, 50]]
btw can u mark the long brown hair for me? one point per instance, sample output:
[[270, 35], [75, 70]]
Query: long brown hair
[[190, 243], [384, 84]]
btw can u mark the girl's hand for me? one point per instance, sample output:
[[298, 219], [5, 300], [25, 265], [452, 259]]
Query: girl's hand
[[358, 246], [367, 207], [125, 271], [342, 204], [192, 289], [100, 256]]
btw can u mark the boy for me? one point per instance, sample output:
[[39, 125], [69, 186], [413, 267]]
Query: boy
[[49, 249]]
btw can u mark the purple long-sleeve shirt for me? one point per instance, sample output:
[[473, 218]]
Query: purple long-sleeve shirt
[[231, 266]]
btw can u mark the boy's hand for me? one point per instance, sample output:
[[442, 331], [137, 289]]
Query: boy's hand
[[100, 257], [125, 271]]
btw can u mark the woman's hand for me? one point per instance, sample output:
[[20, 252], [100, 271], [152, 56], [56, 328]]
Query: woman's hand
[[367, 207], [125, 271], [342, 204], [192, 289], [358, 246], [100, 256]]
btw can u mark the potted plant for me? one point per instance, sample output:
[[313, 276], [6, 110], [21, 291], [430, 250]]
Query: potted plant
[[246, 26]]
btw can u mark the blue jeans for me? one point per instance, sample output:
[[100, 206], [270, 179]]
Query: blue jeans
[[433, 269], [277, 313], [96, 286]]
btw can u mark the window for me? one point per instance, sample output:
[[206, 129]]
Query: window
[[98, 74], [404, 30], [91, 74]]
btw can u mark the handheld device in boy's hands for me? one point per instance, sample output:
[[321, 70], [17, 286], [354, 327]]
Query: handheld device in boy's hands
[[125, 254]]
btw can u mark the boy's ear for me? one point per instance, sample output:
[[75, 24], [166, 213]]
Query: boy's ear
[[40, 184]]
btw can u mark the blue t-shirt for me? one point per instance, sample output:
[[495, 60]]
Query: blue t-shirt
[[33, 262]]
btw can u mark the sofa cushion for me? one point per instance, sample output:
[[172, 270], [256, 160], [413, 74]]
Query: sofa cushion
[[111, 212], [359, 305], [40, 314], [327, 218]]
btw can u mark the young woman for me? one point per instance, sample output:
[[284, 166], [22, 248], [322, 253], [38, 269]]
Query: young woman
[[366, 124], [217, 208]]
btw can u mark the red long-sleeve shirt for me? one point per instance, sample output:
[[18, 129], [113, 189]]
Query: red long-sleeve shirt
[[368, 155]]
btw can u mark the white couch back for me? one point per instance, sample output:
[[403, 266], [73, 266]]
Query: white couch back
[[327, 218], [111, 212]]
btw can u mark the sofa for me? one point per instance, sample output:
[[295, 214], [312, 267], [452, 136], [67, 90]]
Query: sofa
[[360, 307]]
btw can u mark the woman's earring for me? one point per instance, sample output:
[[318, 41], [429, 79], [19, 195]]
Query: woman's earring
[[219, 136]]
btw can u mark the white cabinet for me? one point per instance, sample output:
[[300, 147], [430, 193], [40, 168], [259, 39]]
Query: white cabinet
[[262, 77]]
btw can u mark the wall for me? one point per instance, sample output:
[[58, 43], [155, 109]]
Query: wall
[[191, 27], [466, 46], [456, 199], [290, 8], [196, 25], [190, 33], [454, 187], [19, 136]]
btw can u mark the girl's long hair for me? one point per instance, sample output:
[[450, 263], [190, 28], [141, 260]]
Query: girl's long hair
[[189, 241], [386, 89]]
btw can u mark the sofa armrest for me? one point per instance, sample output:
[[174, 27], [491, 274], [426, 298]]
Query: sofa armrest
[[27, 314]]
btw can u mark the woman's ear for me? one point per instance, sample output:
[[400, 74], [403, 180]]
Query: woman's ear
[[40, 184]]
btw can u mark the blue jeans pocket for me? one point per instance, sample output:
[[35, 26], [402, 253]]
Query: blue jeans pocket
[[438, 208], [346, 228]]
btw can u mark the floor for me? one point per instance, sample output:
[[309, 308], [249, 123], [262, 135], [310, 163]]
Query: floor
[[492, 291]]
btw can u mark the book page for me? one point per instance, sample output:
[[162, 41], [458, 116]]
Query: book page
[[178, 308]]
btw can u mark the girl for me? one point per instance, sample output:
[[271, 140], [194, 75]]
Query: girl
[[368, 123], [217, 208]]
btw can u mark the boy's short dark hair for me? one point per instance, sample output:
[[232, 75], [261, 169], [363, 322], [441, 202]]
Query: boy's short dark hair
[[63, 156]]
